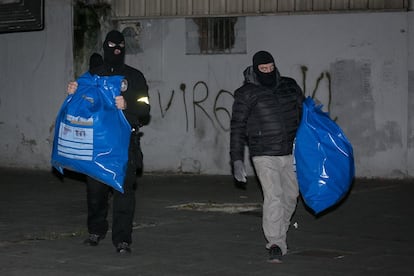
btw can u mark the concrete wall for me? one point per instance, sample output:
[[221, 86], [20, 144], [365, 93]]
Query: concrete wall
[[410, 100], [35, 67], [363, 62]]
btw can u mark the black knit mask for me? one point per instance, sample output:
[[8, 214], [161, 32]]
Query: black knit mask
[[266, 79], [95, 61], [114, 41]]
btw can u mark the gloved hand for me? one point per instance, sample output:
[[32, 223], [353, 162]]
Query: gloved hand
[[239, 172]]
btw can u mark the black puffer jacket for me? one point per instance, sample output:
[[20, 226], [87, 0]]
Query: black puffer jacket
[[266, 118]]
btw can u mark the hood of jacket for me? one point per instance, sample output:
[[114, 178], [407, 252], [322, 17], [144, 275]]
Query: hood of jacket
[[251, 77]]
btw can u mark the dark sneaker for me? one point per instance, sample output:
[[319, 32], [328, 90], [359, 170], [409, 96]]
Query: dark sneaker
[[93, 239], [123, 248], [275, 254]]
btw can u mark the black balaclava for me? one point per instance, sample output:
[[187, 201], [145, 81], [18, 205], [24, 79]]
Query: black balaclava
[[109, 55], [266, 79], [94, 62]]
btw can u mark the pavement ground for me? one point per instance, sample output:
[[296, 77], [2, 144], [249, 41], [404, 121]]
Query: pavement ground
[[202, 225]]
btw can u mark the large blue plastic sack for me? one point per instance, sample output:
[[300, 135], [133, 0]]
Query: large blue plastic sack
[[91, 133], [324, 159]]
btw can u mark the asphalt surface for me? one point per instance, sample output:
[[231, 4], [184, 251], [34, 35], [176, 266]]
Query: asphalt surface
[[202, 225]]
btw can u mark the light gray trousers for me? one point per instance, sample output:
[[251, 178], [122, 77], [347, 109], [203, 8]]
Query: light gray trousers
[[280, 190]]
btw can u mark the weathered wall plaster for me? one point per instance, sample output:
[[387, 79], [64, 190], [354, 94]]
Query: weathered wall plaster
[[358, 65]]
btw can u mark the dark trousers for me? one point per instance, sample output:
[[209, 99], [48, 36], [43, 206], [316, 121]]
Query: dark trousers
[[123, 207]]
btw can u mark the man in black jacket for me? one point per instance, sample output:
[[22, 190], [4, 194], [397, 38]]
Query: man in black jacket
[[134, 103], [266, 113]]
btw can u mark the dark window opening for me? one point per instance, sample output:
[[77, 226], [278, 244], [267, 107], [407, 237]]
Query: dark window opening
[[215, 35]]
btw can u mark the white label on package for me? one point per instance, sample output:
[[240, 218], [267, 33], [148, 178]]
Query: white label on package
[[75, 142]]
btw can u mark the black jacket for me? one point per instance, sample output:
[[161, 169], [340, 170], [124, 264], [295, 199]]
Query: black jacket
[[265, 118], [137, 112]]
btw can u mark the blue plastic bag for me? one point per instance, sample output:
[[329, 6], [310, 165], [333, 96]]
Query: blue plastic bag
[[91, 133], [324, 159]]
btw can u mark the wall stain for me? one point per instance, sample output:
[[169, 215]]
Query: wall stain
[[28, 142], [49, 140], [410, 133]]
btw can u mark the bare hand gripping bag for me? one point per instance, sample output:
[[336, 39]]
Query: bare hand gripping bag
[[324, 159], [91, 132]]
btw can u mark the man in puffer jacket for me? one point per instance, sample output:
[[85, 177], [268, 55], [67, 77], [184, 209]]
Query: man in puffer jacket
[[266, 113]]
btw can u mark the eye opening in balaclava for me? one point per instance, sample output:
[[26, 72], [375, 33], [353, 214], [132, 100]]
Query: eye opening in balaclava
[[117, 41], [266, 79]]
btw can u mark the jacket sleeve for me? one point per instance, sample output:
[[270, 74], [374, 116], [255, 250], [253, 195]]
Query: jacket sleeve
[[137, 99], [238, 132]]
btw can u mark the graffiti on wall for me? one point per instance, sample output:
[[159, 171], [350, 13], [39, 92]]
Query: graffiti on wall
[[322, 76], [219, 115], [200, 93]]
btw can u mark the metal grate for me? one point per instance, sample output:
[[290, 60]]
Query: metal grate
[[215, 35]]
